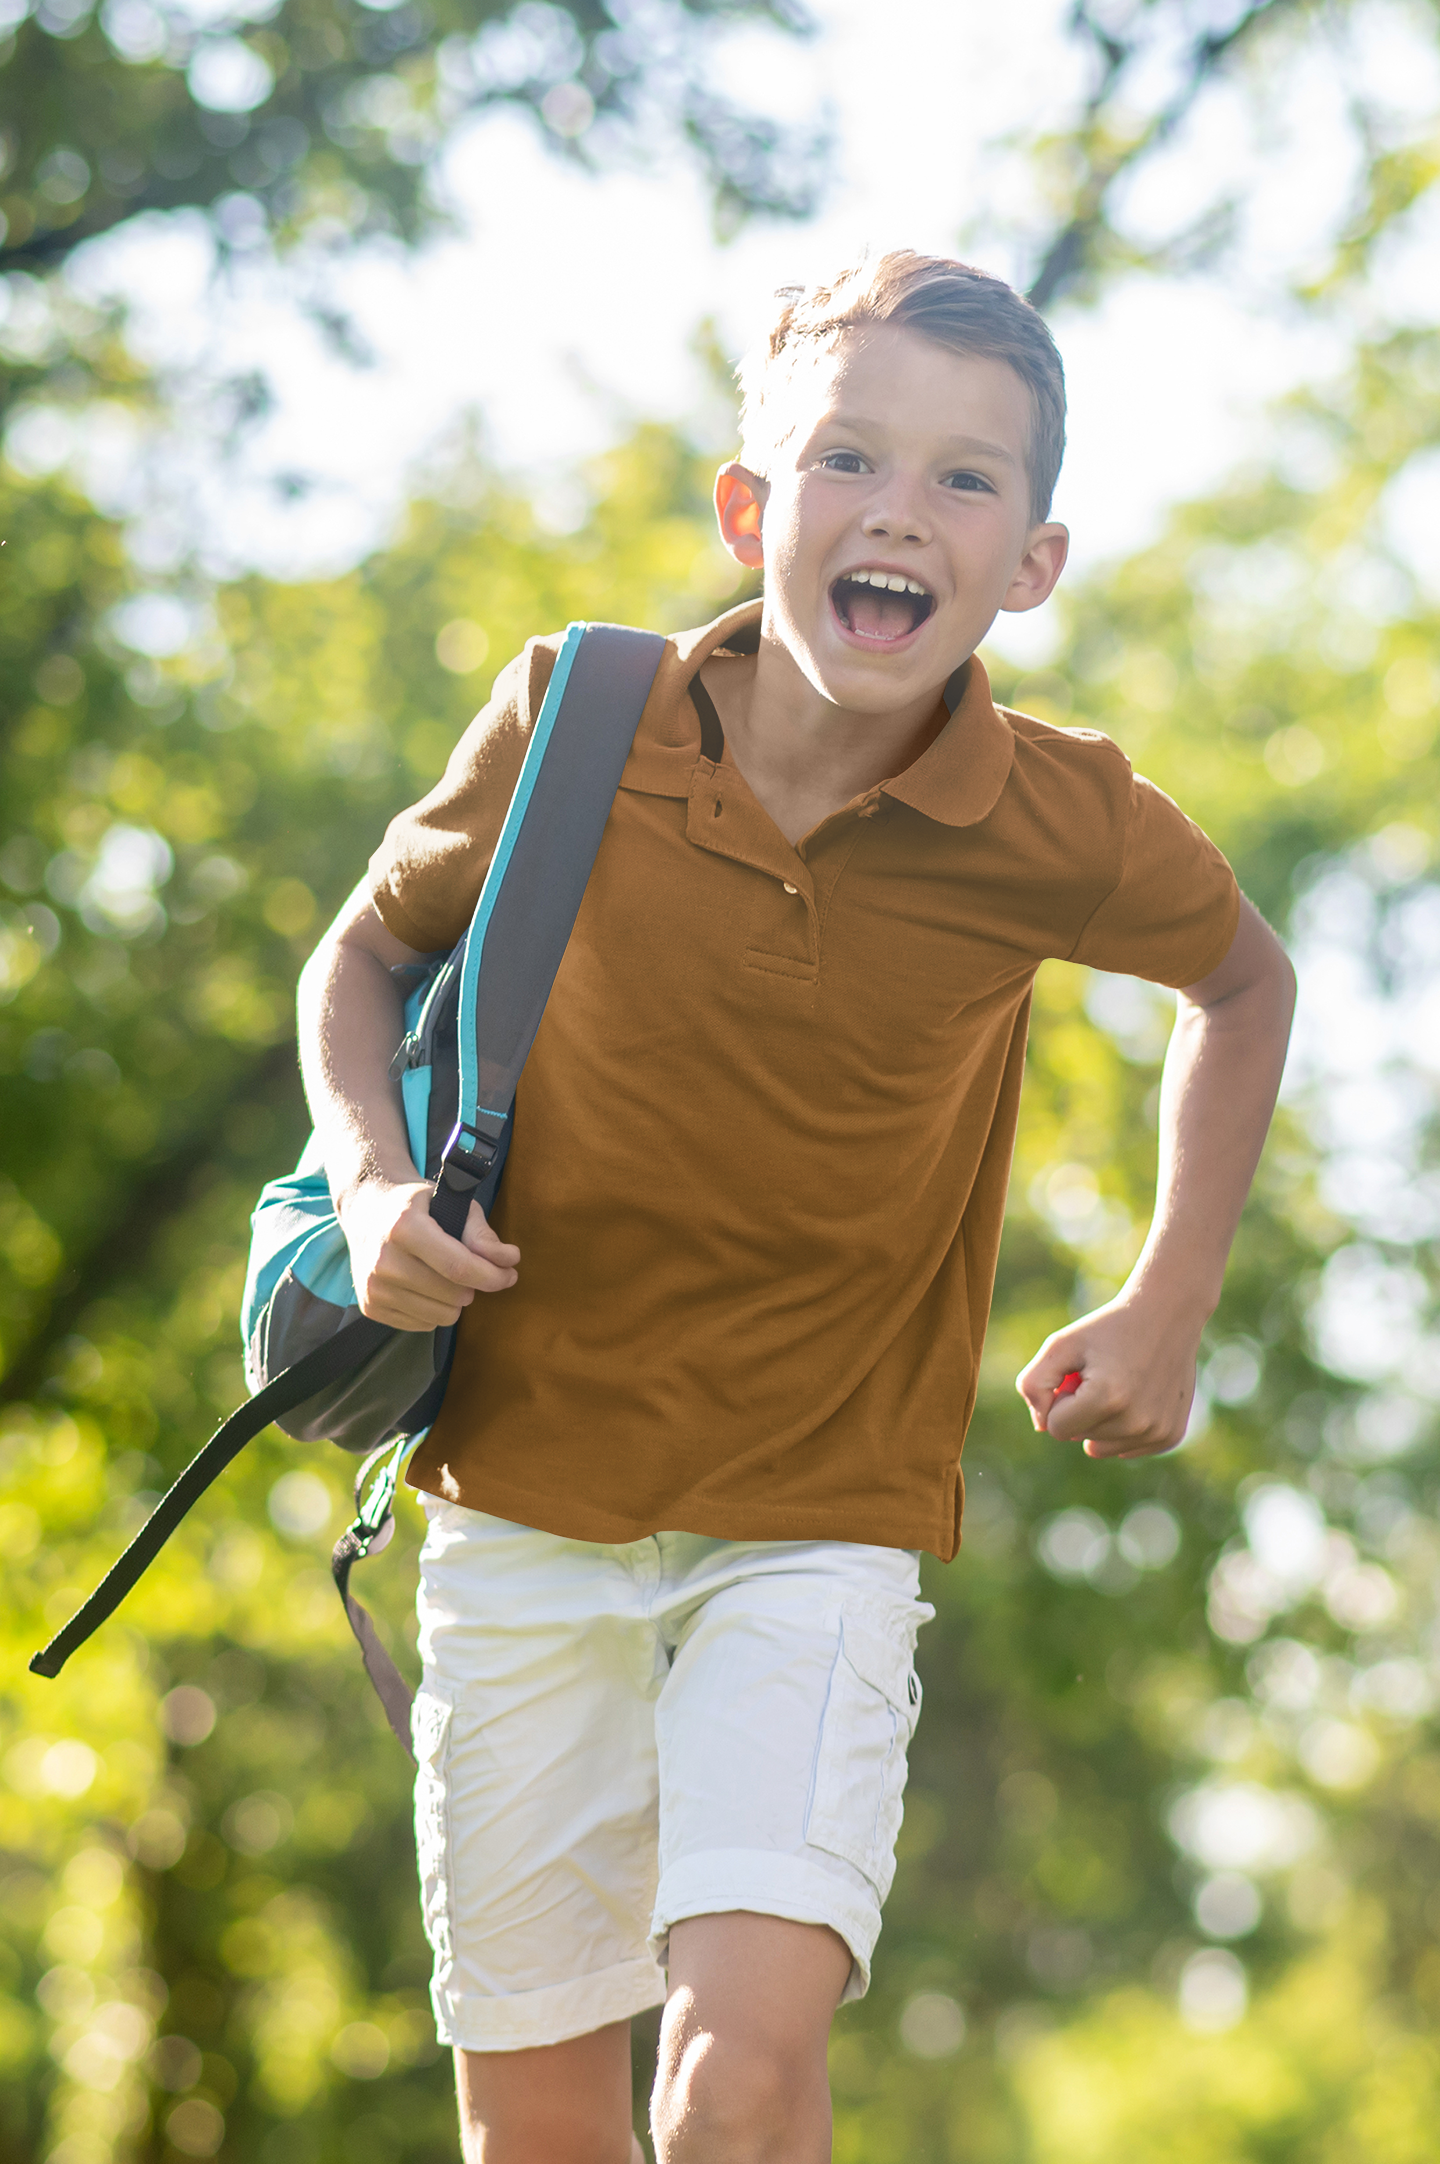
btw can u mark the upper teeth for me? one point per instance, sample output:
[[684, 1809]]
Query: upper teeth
[[890, 579]]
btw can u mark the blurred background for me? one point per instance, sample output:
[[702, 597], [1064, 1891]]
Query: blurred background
[[346, 345]]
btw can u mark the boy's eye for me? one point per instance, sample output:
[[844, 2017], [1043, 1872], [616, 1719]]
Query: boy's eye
[[973, 481], [843, 462]]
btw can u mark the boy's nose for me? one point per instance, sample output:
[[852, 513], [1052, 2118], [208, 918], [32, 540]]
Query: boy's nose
[[894, 522]]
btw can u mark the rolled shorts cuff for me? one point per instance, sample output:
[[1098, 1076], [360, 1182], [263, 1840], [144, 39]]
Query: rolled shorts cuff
[[526, 2020], [770, 1884]]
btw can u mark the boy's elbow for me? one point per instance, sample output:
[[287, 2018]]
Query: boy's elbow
[[1289, 985], [323, 965], [1272, 1002], [1281, 983], [319, 965], [312, 977]]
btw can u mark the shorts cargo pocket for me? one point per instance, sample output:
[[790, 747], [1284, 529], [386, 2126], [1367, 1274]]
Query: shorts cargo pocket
[[870, 1716], [430, 1733]]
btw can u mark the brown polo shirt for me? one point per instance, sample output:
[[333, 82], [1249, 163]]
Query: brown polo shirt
[[762, 1142]]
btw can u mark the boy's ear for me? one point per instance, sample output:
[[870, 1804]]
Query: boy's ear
[[1038, 570], [740, 507]]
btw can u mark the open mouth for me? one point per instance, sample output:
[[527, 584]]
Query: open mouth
[[881, 605]]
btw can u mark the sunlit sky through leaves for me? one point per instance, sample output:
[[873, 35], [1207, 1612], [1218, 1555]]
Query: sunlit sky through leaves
[[565, 306]]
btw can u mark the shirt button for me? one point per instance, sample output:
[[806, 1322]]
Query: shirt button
[[789, 889]]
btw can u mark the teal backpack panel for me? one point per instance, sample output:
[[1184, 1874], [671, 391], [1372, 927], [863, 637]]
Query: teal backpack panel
[[299, 1290]]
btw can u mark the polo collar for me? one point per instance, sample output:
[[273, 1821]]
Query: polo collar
[[956, 781], [667, 742]]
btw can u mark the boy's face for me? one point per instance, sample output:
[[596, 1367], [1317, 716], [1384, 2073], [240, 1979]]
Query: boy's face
[[906, 468]]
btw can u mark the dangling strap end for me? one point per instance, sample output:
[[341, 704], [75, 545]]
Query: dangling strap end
[[367, 1534]]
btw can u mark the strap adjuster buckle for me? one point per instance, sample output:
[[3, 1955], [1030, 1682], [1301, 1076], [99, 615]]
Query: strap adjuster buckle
[[469, 1156]]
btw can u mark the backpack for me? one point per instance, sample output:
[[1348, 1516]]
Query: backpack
[[315, 1365]]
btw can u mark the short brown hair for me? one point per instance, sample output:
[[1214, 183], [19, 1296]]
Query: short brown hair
[[946, 301]]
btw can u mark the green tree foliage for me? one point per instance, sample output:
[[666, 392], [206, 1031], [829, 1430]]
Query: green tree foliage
[[1159, 74], [302, 115], [1151, 65]]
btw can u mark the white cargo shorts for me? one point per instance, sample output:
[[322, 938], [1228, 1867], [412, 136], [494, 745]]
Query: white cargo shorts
[[612, 1738]]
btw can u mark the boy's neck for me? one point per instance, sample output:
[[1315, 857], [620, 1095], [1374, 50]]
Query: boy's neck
[[802, 757]]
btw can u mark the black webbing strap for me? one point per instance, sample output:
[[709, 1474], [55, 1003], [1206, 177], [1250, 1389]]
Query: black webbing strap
[[329, 1363], [373, 1525], [337, 1357], [374, 1521]]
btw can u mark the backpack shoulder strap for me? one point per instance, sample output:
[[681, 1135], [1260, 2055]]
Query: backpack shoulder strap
[[537, 878]]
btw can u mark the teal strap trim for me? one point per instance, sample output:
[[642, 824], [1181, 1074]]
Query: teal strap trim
[[499, 864], [415, 1100], [375, 1509]]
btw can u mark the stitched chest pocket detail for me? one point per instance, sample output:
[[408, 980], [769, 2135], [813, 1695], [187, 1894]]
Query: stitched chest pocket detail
[[870, 1716], [430, 1733]]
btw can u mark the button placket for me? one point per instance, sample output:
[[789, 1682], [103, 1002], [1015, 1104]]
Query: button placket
[[782, 935], [725, 820]]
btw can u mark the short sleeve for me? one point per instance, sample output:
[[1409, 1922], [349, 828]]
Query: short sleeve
[[1171, 915], [426, 876]]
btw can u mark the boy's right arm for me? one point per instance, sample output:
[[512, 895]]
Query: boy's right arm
[[407, 1272]]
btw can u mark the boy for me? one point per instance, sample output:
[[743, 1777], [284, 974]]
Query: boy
[[685, 1466]]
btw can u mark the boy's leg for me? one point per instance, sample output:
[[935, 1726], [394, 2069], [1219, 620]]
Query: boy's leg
[[741, 2076], [782, 1731], [536, 1827], [563, 2104]]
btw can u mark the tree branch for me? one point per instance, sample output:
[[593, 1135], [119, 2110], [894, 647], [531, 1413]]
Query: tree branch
[[140, 1213], [1075, 247]]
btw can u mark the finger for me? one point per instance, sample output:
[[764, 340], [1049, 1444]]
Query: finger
[[1038, 1395], [406, 1269], [399, 1267], [1053, 1368], [1069, 1386], [481, 1238], [1098, 1447], [1087, 1406], [408, 1294], [1108, 1428], [427, 1243], [1130, 1433], [408, 1308], [414, 1317]]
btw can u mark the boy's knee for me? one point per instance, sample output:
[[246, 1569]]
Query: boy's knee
[[720, 2101]]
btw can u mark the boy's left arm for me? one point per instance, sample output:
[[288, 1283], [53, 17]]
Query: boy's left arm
[[1136, 1356]]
